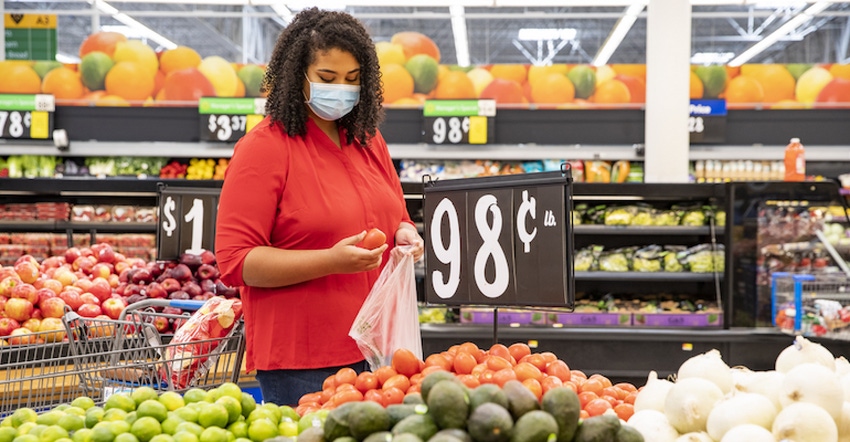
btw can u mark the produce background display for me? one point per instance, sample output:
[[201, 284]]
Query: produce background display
[[115, 71]]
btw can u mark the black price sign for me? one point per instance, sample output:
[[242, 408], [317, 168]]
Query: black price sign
[[228, 119], [502, 241], [707, 121], [186, 221], [459, 121], [24, 117]]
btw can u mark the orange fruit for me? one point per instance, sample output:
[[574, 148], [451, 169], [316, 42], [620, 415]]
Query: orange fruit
[[221, 74], [136, 50], [130, 81], [181, 57], [186, 85], [515, 72], [503, 91], [536, 73], [553, 88], [636, 85], [414, 43], [158, 82], [397, 82], [17, 78], [696, 88], [63, 83], [635, 70], [454, 85], [101, 41], [389, 53], [840, 71], [612, 92], [744, 90], [405, 362], [777, 82]]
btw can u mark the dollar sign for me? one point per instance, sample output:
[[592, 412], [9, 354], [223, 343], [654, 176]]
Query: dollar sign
[[527, 208], [211, 125], [170, 223]]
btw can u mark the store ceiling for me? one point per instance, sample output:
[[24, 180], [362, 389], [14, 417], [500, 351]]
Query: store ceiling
[[215, 27]]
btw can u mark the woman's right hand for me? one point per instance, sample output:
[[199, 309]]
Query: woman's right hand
[[350, 258]]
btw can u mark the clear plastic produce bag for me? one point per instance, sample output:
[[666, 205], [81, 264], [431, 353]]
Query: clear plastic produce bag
[[389, 318]]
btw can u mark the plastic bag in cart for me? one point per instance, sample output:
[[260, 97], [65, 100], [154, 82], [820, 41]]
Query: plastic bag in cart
[[389, 318], [188, 354]]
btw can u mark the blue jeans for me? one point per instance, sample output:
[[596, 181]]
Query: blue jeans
[[285, 387]]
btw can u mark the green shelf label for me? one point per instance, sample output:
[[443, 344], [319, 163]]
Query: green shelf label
[[27, 102], [459, 108], [232, 106]]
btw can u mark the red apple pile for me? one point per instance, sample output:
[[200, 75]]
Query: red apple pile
[[97, 282]]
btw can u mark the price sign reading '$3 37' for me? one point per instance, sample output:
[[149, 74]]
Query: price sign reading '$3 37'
[[501, 241], [229, 119], [187, 221]]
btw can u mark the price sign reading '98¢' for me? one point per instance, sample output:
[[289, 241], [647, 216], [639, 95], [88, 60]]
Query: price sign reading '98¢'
[[186, 221], [499, 241], [229, 119], [458, 121], [24, 117]]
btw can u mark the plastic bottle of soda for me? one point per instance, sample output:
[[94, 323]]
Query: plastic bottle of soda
[[795, 161]]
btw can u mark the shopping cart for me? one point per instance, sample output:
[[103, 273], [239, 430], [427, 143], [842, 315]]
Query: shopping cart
[[812, 305], [124, 354], [35, 372]]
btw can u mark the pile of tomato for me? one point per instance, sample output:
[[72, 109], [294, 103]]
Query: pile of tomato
[[473, 366]]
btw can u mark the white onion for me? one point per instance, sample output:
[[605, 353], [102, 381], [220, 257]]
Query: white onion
[[694, 437], [804, 422], [845, 385], [804, 351], [653, 394], [842, 366], [748, 433], [814, 384], [739, 409], [710, 366], [653, 426], [689, 403], [844, 423], [766, 383]]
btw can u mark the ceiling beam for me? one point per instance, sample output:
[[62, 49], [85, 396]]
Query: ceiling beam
[[618, 33], [805, 16]]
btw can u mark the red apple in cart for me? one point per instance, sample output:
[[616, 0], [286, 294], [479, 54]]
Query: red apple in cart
[[53, 325], [89, 298], [26, 258], [169, 310], [32, 324], [181, 272], [132, 289], [7, 284], [104, 253], [36, 313], [141, 276], [207, 285], [84, 264], [22, 336], [113, 280], [135, 298], [44, 294], [71, 254], [208, 257], [161, 324], [113, 307], [52, 307], [52, 284], [100, 288], [27, 271], [179, 295], [155, 290], [155, 268], [72, 298], [25, 291], [192, 288], [7, 325], [7, 271], [121, 266], [170, 285], [101, 270], [66, 276], [89, 310], [52, 262], [18, 309]]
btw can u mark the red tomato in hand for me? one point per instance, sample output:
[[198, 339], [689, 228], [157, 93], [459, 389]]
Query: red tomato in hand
[[374, 238]]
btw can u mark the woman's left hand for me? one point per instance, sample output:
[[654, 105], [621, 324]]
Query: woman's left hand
[[406, 235]]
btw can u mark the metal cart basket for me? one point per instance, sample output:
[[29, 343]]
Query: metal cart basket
[[812, 305], [121, 355]]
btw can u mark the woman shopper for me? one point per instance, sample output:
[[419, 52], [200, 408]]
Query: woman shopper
[[301, 191]]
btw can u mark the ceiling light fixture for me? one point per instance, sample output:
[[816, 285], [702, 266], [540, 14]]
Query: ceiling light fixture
[[460, 34], [147, 32], [624, 24], [795, 22]]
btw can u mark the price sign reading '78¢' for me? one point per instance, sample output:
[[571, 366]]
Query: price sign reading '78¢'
[[186, 221], [502, 241], [24, 117], [228, 119]]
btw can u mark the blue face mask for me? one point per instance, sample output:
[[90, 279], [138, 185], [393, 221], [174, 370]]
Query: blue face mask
[[331, 102]]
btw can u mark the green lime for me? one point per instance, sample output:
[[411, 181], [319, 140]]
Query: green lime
[[152, 408], [36, 429], [275, 409], [25, 438], [189, 427], [233, 407], [93, 416], [238, 429], [26, 427], [7, 434], [50, 418], [115, 414], [261, 413], [169, 425], [214, 434], [144, 393], [242, 439], [121, 401], [288, 428], [162, 438], [714, 79], [126, 437], [52, 433], [262, 429], [131, 417], [23, 415], [187, 414], [195, 395], [119, 427], [93, 68], [71, 422], [6, 422], [213, 415], [61, 407], [172, 400], [249, 404], [583, 78], [230, 389], [185, 436], [145, 428], [252, 77], [287, 412], [82, 435], [77, 411], [424, 69], [83, 402], [102, 433]]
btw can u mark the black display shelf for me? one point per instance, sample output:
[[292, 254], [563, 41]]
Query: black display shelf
[[591, 229], [77, 226], [112, 185], [646, 276]]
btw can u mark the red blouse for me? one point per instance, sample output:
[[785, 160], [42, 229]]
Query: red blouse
[[303, 193]]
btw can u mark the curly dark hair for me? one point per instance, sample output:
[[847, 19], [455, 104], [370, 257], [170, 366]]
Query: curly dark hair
[[313, 30]]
